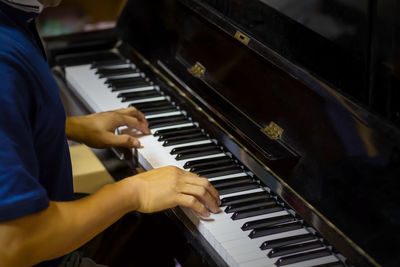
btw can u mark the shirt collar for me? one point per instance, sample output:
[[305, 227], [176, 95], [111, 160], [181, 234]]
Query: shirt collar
[[16, 13]]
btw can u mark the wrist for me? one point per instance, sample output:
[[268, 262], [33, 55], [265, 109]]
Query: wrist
[[130, 191], [73, 128]]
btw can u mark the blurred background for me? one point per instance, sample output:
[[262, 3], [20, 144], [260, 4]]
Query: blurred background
[[79, 15]]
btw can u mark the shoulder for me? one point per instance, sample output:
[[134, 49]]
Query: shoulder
[[14, 45]]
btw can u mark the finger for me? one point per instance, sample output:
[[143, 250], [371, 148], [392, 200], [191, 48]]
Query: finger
[[134, 112], [193, 203], [123, 140], [196, 180], [202, 194], [133, 123]]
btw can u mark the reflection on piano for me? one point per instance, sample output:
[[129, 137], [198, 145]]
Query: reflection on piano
[[302, 165]]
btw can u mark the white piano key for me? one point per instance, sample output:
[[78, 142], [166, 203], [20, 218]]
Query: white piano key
[[235, 175], [208, 141], [133, 90], [255, 263], [144, 100], [167, 114], [244, 192], [172, 127], [121, 76], [254, 254]]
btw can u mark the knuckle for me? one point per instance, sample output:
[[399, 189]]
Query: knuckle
[[205, 182], [202, 191], [203, 209], [192, 200]]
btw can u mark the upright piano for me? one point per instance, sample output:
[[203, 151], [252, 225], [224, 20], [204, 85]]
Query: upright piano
[[290, 108]]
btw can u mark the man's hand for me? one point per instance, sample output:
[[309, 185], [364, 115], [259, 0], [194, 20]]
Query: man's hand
[[168, 187], [98, 130]]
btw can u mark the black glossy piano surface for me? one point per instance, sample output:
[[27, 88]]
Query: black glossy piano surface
[[326, 72]]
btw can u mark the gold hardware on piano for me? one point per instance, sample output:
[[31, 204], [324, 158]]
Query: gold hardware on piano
[[242, 38], [273, 131], [197, 70]]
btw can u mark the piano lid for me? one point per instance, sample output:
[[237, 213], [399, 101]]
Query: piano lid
[[310, 85]]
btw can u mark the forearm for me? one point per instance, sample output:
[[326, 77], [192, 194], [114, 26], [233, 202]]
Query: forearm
[[63, 227]]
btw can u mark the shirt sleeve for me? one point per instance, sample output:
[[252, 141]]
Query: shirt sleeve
[[20, 190]]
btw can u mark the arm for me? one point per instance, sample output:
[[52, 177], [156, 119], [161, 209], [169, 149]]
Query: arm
[[97, 130], [65, 226]]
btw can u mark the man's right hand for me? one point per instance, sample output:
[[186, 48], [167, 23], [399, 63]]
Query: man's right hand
[[65, 226], [168, 187]]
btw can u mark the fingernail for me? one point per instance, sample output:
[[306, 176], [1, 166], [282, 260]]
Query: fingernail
[[218, 210], [136, 143], [206, 214]]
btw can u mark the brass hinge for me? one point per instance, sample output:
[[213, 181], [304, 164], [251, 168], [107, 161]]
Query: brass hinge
[[273, 131], [242, 38], [197, 70]]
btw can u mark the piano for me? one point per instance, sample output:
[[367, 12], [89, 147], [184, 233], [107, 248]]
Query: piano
[[290, 108]]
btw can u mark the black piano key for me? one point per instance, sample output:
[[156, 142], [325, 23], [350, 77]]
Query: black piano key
[[286, 241], [108, 73], [249, 205], [188, 149], [243, 198], [220, 171], [185, 139], [212, 166], [302, 257], [151, 104], [175, 130], [124, 81], [203, 162], [199, 153], [237, 188], [167, 121], [231, 181], [255, 212], [331, 264], [139, 83], [176, 135], [111, 62], [140, 95], [287, 250], [267, 222], [158, 110], [264, 231]]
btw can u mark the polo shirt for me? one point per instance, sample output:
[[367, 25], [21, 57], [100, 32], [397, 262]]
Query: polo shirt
[[35, 163]]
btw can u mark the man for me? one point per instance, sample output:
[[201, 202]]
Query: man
[[39, 221]]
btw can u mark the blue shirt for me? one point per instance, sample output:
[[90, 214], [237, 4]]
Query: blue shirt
[[35, 164]]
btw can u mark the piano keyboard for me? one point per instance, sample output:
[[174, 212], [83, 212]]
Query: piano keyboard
[[254, 228]]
